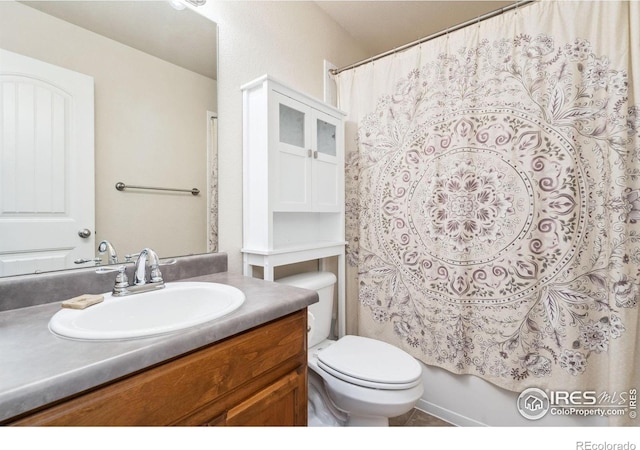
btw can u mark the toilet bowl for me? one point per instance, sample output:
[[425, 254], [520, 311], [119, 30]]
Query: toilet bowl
[[353, 381]]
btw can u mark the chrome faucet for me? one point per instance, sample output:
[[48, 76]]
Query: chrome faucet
[[106, 247], [140, 284], [140, 268]]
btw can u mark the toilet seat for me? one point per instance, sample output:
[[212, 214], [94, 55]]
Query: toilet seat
[[370, 363]]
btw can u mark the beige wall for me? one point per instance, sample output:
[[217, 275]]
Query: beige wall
[[133, 143], [288, 40]]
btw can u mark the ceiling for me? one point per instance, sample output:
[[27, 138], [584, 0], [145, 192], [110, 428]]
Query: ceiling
[[380, 26], [157, 29], [149, 26]]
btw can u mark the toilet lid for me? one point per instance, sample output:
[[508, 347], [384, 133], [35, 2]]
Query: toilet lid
[[370, 363]]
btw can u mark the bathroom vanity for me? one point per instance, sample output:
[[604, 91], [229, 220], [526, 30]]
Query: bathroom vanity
[[254, 378], [247, 368]]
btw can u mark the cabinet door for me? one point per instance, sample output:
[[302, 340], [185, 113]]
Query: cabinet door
[[282, 403], [291, 158], [328, 162]]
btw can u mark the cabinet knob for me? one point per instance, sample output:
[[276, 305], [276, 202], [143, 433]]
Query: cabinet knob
[[309, 153], [315, 154]]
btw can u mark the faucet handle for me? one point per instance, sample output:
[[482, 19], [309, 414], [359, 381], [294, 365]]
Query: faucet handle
[[122, 280], [130, 256], [167, 262], [96, 261], [155, 276], [111, 269]]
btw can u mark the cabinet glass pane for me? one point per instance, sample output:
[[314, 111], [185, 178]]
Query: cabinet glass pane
[[326, 138], [291, 126]]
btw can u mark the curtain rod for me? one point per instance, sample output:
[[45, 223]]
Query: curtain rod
[[478, 19]]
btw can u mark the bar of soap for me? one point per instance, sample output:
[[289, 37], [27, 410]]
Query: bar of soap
[[82, 301]]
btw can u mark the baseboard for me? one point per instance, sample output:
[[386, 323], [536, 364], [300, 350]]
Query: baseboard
[[447, 415]]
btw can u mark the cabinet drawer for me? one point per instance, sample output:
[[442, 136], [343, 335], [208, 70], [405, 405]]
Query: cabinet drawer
[[282, 403], [210, 379]]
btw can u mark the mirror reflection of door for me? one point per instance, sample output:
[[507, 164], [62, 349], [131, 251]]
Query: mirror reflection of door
[[46, 166]]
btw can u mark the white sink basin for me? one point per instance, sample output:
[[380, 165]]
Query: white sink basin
[[177, 306]]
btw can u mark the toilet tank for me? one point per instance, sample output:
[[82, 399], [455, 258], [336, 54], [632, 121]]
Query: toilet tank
[[321, 313]]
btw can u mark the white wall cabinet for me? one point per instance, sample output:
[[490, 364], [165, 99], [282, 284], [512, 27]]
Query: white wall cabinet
[[293, 179], [307, 163]]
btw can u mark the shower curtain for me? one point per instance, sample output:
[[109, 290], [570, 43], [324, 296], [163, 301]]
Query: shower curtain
[[493, 198]]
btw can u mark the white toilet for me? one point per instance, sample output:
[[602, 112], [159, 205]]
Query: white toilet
[[354, 381]]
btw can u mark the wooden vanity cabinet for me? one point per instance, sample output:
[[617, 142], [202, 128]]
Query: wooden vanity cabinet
[[256, 378]]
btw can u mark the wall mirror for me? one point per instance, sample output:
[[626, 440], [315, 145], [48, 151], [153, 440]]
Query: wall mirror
[[153, 116]]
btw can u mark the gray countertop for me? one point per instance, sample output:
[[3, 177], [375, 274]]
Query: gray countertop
[[38, 367]]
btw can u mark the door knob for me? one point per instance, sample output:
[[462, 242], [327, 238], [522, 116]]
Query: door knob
[[84, 233]]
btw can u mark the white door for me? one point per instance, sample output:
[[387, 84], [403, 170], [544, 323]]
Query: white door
[[46, 166], [327, 190], [292, 164]]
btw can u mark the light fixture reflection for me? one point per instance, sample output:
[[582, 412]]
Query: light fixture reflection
[[177, 5]]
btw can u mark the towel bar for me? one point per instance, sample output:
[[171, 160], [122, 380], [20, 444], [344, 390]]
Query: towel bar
[[121, 187]]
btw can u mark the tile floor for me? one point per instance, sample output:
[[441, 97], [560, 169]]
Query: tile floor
[[417, 418]]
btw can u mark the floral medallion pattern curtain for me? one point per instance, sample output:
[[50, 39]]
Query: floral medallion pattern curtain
[[493, 197]]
